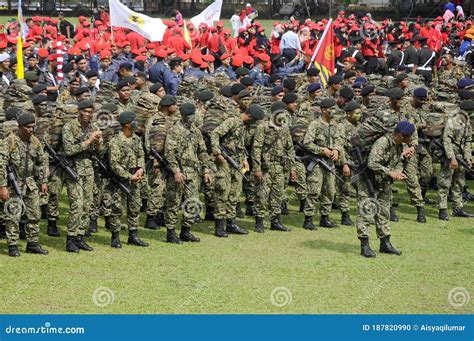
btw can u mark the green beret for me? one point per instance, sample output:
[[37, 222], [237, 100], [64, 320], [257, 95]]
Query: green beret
[[205, 95], [126, 117], [167, 100], [130, 79], [242, 71], [277, 106], [289, 97], [25, 119], [80, 91], [38, 88], [467, 105], [226, 91], [396, 93], [247, 81], [109, 106], [85, 104], [39, 99], [122, 84], [401, 77], [31, 76], [12, 113], [243, 94], [256, 112], [187, 109], [351, 106], [155, 87], [327, 103]]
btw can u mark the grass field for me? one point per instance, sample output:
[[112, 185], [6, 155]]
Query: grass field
[[274, 272]]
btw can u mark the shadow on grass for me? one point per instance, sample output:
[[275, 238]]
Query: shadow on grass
[[331, 245]]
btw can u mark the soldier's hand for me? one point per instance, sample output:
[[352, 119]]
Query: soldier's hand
[[207, 178], [409, 152], [335, 155], [469, 163], [136, 178], [179, 178], [327, 152], [220, 160], [140, 172], [44, 189], [293, 175], [4, 195], [396, 175], [346, 170], [258, 175], [245, 165], [454, 164]]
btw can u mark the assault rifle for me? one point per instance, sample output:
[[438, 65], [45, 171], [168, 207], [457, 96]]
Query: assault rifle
[[315, 160], [361, 172], [225, 152], [61, 161], [164, 164]]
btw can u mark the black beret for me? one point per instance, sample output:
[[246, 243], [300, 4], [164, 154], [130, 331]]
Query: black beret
[[68, 67], [25, 119], [392, 43], [400, 77], [38, 88], [39, 98], [121, 84], [420, 92], [126, 65], [334, 80], [314, 87], [130, 79], [205, 95], [276, 90], [273, 78], [31, 76], [349, 74], [126, 117], [367, 90], [140, 74], [289, 84], [242, 71], [80, 91], [12, 113], [327, 103], [247, 81], [187, 109], [346, 93], [33, 55], [167, 100], [467, 105], [155, 87], [91, 73], [226, 91], [466, 94], [243, 94], [110, 107], [87, 103], [396, 93], [289, 98], [277, 106], [352, 105], [256, 112], [312, 71], [236, 88]]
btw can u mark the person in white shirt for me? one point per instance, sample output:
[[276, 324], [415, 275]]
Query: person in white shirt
[[235, 21]]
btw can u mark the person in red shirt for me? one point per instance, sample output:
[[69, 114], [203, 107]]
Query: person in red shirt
[[213, 44], [203, 38], [370, 49], [177, 41]]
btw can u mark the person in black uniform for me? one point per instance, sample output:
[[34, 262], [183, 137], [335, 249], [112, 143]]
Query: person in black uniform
[[411, 55], [425, 64], [395, 58]]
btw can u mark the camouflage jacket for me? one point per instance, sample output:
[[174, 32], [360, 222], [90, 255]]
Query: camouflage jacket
[[347, 129], [457, 137], [385, 156], [156, 130], [321, 135], [126, 155], [230, 133]]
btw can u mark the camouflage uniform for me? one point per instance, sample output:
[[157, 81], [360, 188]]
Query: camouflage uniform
[[345, 188]]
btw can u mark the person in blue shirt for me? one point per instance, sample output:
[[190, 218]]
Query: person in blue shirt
[[226, 67], [157, 71], [257, 73], [173, 76]]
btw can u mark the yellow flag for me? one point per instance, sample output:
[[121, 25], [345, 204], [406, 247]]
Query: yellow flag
[[186, 35], [20, 69]]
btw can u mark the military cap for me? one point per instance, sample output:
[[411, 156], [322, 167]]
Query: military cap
[[168, 100], [467, 105], [352, 105], [243, 94], [357, 85], [400, 77], [80, 91], [84, 104], [31, 76], [327, 103], [126, 65], [140, 74], [247, 81], [39, 98], [32, 55], [205, 95], [276, 90], [273, 78], [465, 82], [109, 106], [155, 87], [289, 98], [277, 106], [396, 93], [392, 43], [130, 79], [366, 90], [68, 68], [38, 88], [121, 84], [312, 71], [25, 119], [242, 71], [187, 109], [349, 74], [334, 80], [256, 112], [12, 113], [405, 128], [126, 117], [91, 73], [346, 93], [226, 91], [289, 84], [422, 39], [236, 88], [361, 80], [420, 92], [314, 87], [466, 94]]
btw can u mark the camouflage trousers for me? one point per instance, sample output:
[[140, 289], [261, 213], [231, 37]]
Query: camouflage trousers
[[55, 187], [249, 187], [454, 179], [345, 190], [300, 183], [80, 198], [269, 192], [179, 197], [425, 168], [370, 210], [156, 192], [97, 206], [227, 190], [412, 181], [116, 202], [27, 212], [321, 185], [208, 189]]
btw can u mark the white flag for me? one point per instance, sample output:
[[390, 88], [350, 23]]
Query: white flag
[[211, 14], [152, 29]]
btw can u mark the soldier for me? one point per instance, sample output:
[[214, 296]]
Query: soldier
[[395, 58], [457, 138], [67, 95], [24, 154], [127, 161], [186, 154], [124, 92], [385, 163], [426, 63], [81, 140]]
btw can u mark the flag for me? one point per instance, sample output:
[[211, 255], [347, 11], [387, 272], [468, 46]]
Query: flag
[[211, 14], [20, 69], [186, 35], [152, 29], [323, 57]]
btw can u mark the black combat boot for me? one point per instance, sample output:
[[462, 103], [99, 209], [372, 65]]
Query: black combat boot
[[259, 225], [459, 212], [93, 225], [71, 244], [22, 231], [52, 229], [387, 247], [421, 215], [209, 213], [284, 208], [144, 206], [250, 211], [427, 200], [365, 249], [115, 240], [187, 236], [335, 205], [198, 219], [44, 211], [81, 244], [13, 251], [276, 225], [219, 228], [134, 240], [325, 222], [443, 214], [35, 248], [238, 211], [308, 223], [302, 203], [393, 214], [232, 227], [160, 219], [150, 223], [3, 231], [171, 237], [346, 219]]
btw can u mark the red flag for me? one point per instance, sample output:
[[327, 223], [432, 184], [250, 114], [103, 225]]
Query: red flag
[[323, 56]]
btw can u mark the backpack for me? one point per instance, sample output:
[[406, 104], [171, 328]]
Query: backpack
[[437, 117], [373, 128]]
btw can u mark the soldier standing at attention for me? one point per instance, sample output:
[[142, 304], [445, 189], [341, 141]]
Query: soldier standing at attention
[[426, 63]]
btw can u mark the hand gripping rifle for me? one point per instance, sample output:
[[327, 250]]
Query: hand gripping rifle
[[165, 165], [225, 152], [315, 160]]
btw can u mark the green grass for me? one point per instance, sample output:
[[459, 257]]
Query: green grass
[[322, 269]]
